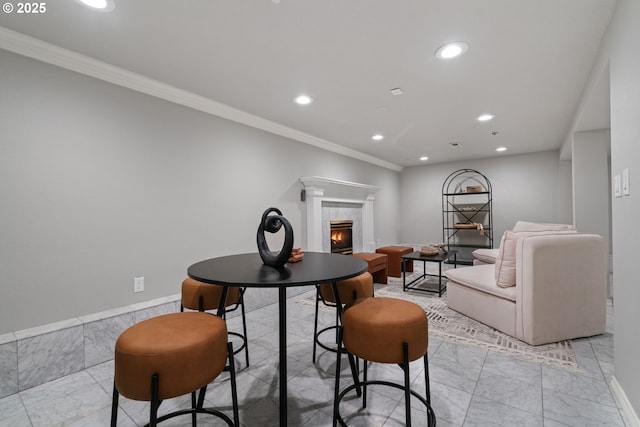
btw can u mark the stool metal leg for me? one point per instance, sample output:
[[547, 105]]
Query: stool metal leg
[[426, 379], [114, 406], [201, 394], [336, 400], [194, 420], [155, 403], [234, 390], [406, 388], [407, 383], [364, 386], [244, 328], [354, 371], [315, 325], [317, 333]]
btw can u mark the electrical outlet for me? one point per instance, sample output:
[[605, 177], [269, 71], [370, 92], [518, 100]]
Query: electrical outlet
[[138, 284]]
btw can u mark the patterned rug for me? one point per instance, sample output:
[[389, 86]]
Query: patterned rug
[[452, 326]]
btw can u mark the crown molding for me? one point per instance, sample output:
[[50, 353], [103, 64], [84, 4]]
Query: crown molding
[[64, 58]]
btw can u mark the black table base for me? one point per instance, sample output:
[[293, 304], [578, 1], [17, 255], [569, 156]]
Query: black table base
[[414, 285]]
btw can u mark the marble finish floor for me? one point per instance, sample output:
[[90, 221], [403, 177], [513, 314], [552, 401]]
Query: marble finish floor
[[469, 387]]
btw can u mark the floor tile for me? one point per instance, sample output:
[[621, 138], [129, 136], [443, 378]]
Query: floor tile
[[510, 391], [521, 370], [577, 385], [470, 386], [487, 413], [449, 404], [577, 412], [67, 399], [13, 413], [460, 377]]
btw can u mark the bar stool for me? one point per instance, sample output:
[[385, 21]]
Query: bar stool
[[385, 330], [349, 290], [171, 355], [204, 296]]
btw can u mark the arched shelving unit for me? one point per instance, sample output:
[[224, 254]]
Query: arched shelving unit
[[467, 213]]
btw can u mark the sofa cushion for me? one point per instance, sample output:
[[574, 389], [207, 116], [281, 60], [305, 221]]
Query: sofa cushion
[[505, 266], [480, 278], [486, 256], [539, 226]]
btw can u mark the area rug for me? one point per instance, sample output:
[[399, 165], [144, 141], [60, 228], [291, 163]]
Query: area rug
[[449, 325]]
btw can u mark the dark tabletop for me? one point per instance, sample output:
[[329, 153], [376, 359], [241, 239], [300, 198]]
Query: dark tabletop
[[249, 270], [439, 257]]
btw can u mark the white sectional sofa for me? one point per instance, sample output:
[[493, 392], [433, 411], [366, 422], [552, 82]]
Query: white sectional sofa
[[546, 286]]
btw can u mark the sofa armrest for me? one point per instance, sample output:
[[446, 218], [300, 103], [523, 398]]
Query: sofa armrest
[[561, 287], [485, 256]]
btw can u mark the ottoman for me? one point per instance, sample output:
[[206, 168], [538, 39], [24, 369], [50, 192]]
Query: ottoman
[[394, 259], [377, 265]]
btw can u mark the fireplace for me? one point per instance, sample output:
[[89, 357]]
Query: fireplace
[[328, 200], [341, 237]]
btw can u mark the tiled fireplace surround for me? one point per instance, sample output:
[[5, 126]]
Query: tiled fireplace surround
[[35, 356]]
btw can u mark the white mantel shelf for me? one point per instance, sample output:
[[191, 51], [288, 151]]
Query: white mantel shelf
[[318, 181], [319, 189]]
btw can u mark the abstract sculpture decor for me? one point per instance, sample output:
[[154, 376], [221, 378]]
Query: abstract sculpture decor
[[272, 224]]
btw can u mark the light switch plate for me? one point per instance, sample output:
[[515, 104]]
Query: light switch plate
[[625, 182], [617, 186]]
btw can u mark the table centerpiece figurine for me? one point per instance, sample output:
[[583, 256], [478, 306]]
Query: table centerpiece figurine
[[273, 224]]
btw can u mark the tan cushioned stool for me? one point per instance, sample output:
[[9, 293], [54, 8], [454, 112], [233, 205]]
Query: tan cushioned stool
[[377, 265], [394, 260], [192, 290], [362, 285], [171, 355], [349, 290], [375, 328], [205, 296], [186, 350], [385, 330]]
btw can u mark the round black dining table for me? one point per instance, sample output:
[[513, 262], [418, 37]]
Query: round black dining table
[[248, 270]]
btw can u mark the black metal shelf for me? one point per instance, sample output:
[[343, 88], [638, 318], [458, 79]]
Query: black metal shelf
[[459, 211], [470, 246], [454, 195], [468, 229], [466, 194]]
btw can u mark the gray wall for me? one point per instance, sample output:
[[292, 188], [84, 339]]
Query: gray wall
[[100, 184], [591, 193], [624, 66], [525, 187]]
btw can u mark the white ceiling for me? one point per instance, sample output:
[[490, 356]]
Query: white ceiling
[[527, 63]]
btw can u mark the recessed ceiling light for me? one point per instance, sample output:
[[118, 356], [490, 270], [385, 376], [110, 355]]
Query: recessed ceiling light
[[454, 144], [501, 149], [303, 99], [485, 117], [451, 50], [395, 92], [100, 5], [377, 137], [424, 158]]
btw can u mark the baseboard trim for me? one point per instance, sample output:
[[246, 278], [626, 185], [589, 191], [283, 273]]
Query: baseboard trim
[[621, 397]]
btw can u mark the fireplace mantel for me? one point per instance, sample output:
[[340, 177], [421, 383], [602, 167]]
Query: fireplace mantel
[[318, 190]]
